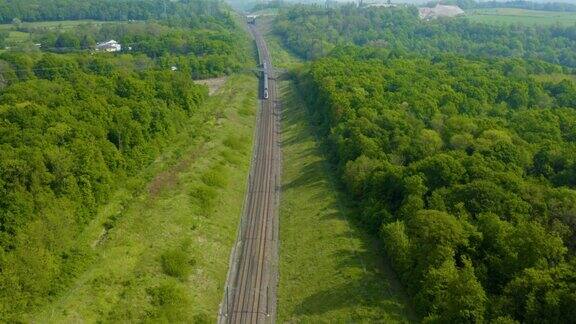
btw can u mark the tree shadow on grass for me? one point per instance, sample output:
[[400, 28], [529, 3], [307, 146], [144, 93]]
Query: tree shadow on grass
[[307, 178], [357, 292], [369, 283]]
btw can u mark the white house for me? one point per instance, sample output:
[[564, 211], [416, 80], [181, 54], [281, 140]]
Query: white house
[[109, 46]]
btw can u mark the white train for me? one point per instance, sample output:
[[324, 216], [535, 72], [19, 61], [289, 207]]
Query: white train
[[264, 81]]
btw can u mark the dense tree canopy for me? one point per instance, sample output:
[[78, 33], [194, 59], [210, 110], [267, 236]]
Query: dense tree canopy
[[74, 125], [466, 169], [68, 133], [206, 52], [46, 10], [199, 36], [458, 157], [312, 32]]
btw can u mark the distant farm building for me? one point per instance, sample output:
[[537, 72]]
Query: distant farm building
[[439, 11], [109, 46]]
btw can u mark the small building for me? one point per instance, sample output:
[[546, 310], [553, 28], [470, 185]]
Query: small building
[[439, 11], [109, 46]]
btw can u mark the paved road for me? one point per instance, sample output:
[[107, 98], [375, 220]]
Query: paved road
[[250, 292]]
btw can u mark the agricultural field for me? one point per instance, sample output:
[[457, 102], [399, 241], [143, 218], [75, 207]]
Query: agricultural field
[[503, 16], [16, 37], [63, 24]]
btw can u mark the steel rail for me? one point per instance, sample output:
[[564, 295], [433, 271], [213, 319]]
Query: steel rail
[[250, 293]]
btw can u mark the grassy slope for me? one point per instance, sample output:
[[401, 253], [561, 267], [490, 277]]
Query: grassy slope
[[521, 16], [192, 203], [330, 271]]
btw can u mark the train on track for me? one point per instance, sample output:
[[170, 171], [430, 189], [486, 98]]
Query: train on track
[[264, 81]]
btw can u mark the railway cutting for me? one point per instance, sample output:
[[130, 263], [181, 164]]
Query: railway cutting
[[250, 291]]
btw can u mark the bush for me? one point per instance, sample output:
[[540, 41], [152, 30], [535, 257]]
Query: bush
[[215, 177], [177, 263], [235, 142], [171, 303], [203, 196]]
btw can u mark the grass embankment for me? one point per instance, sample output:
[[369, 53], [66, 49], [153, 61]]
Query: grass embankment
[[501, 16], [330, 271], [162, 251]]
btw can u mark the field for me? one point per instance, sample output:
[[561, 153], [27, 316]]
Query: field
[[63, 24], [16, 37], [330, 270], [521, 16], [162, 244]]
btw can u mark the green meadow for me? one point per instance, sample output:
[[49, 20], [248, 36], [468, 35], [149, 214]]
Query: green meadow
[[521, 16]]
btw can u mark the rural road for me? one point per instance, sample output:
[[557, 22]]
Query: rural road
[[250, 291]]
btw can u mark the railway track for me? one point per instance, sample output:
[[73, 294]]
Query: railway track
[[250, 292]]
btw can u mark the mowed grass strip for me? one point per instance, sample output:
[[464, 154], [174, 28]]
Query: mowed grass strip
[[330, 271], [162, 250], [500, 16]]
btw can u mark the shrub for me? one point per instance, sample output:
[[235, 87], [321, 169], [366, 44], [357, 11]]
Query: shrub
[[203, 196], [235, 142], [171, 303], [215, 177], [177, 263]]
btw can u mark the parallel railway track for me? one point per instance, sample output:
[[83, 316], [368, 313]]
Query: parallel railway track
[[250, 293]]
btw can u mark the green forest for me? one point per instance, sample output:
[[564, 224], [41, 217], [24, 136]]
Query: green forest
[[458, 158], [204, 52], [74, 125], [453, 141], [312, 32], [54, 10]]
